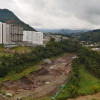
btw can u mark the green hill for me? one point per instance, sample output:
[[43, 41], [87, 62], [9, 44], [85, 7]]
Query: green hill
[[7, 15], [93, 36]]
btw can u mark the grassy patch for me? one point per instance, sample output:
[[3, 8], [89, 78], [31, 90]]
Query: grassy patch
[[21, 49], [86, 85], [2, 52], [87, 81]]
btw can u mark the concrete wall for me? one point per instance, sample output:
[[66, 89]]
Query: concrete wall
[[14, 34], [11, 34], [7, 34], [0, 33], [39, 37], [4, 33], [33, 37]]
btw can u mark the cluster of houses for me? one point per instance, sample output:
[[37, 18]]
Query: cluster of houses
[[56, 37], [13, 35]]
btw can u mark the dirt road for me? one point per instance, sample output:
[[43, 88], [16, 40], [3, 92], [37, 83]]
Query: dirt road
[[2, 98]]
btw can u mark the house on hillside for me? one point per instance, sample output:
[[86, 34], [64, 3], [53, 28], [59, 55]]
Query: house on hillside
[[56, 37]]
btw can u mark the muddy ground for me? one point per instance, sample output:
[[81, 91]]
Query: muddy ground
[[44, 82]]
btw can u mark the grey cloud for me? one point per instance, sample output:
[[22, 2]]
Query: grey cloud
[[73, 14]]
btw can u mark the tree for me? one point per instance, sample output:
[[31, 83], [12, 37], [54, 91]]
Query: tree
[[73, 91]]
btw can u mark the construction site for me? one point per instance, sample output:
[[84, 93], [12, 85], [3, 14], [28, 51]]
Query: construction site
[[44, 82]]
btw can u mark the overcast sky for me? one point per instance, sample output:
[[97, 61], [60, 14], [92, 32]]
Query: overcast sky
[[70, 14]]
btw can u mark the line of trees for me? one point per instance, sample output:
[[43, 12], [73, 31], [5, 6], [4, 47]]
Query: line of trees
[[74, 80], [91, 60]]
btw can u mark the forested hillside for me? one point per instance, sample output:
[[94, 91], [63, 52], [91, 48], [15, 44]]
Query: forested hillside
[[93, 36], [61, 31], [6, 16], [85, 76]]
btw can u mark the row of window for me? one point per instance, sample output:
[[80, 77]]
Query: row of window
[[16, 34]]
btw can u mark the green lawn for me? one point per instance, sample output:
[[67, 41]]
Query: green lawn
[[2, 52]]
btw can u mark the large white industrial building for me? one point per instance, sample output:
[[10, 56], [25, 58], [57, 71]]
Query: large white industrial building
[[33, 37]]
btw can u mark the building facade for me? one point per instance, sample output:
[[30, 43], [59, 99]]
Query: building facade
[[0, 33], [33, 37], [15, 34], [11, 34]]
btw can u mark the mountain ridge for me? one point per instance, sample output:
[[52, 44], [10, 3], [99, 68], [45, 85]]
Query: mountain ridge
[[7, 15], [93, 36], [63, 31]]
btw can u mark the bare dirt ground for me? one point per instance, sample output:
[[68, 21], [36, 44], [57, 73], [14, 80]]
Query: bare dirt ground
[[2, 98], [44, 82], [55, 75], [88, 97]]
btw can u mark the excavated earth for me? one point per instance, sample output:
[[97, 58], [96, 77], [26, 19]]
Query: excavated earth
[[44, 82]]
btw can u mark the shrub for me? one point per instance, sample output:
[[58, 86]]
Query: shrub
[[93, 99], [95, 89], [3, 71], [2, 92], [1, 45], [73, 91]]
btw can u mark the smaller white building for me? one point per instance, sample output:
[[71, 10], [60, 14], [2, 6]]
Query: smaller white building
[[33, 37]]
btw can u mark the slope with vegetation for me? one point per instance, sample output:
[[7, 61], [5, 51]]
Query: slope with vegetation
[[17, 62], [92, 36], [85, 78], [7, 15]]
